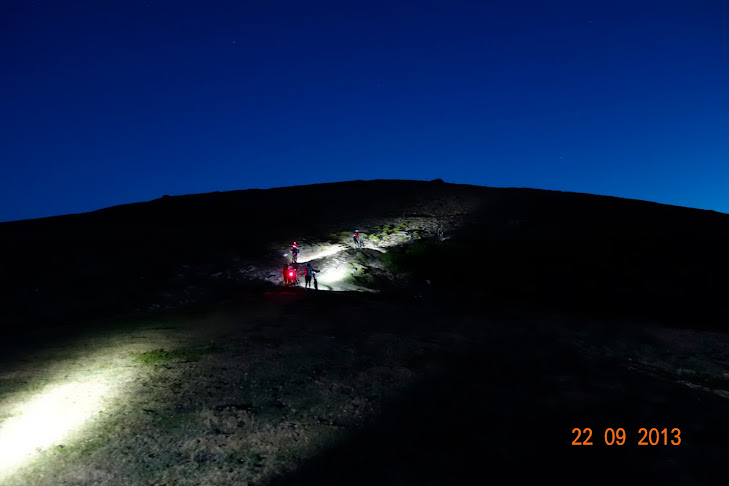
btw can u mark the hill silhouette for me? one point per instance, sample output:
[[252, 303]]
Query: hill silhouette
[[532, 247]]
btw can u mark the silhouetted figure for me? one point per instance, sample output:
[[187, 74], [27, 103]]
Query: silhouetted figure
[[294, 252], [293, 274], [286, 274], [356, 238], [439, 233], [310, 272]]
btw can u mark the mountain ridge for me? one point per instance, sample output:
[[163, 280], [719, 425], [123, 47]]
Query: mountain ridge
[[531, 241], [251, 191]]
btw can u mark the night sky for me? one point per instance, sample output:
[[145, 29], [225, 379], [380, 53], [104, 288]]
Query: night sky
[[113, 102]]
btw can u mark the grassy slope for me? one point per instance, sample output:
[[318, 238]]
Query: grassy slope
[[359, 389]]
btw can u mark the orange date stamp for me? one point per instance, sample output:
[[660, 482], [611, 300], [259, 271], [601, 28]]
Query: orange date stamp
[[646, 437]]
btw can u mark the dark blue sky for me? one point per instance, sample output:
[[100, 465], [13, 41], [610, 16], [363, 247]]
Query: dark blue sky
[[112, 102]]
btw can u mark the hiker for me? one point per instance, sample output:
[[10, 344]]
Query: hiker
[[294, 252], [286, 274], [358, 240], [309, 272], [307, 275], [294, 274], [439, 232]]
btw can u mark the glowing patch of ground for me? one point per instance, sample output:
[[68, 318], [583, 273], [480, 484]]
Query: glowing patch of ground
[[76, 391], [53, 416], [323, 252]]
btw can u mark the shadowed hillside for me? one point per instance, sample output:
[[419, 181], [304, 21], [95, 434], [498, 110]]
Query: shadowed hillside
[[563, 250]]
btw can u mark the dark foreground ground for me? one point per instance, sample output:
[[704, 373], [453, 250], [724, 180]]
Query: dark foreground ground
[[505, 403], [410, 393]]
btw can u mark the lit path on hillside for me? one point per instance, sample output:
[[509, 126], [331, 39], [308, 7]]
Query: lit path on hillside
[[333, 265], [322, 252]]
